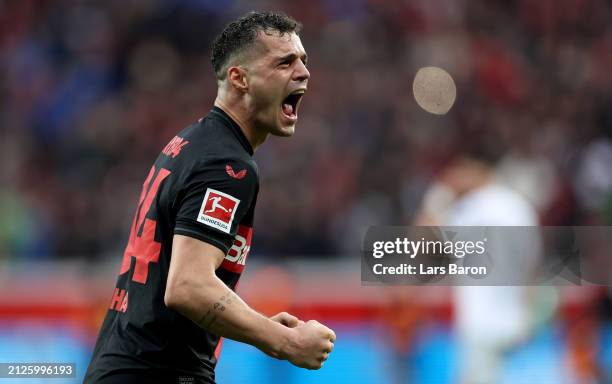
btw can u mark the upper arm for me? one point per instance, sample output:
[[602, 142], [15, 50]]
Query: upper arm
[[192, 256], [192, 267], [205, 229]]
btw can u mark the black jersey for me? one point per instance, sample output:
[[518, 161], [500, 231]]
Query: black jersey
[[204, 185]]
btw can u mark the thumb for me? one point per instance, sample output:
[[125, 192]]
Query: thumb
[[286, 319]]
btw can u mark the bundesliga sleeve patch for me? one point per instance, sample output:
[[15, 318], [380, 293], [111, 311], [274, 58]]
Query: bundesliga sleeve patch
[[218, 210]]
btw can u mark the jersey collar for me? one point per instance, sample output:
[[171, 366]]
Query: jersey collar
[[235, 128]]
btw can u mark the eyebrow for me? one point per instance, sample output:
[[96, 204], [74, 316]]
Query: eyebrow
[[292, 56]]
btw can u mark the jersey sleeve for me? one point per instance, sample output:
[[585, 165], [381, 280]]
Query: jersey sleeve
[[215, 199]]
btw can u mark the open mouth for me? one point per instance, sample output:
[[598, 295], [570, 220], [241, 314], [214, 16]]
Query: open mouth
[[291, 104]]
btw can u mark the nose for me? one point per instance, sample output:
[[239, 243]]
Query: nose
[[301, 72]]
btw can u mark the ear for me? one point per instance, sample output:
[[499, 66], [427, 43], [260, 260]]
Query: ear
[[236, 76]]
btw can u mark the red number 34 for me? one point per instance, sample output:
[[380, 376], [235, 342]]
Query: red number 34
[[143, 247]]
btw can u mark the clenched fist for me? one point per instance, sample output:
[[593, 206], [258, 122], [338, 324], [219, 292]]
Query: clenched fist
[[310, 346]]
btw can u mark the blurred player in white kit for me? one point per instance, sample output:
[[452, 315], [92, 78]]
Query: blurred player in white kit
[[489, 320]]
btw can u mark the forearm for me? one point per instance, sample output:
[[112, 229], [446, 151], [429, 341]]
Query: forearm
[[216, 308]]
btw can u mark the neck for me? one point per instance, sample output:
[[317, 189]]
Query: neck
[[239, 113]]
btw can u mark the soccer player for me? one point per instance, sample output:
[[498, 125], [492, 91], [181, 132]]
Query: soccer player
[[174, 298], [489, 320]]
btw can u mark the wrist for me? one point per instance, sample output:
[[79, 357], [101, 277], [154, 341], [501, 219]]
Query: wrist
[[279, 341]]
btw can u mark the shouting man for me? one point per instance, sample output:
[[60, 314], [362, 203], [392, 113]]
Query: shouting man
[[174, 299]]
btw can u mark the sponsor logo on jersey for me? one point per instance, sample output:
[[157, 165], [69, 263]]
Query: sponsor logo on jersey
[[230, 171], [237, 255], [218, 210]]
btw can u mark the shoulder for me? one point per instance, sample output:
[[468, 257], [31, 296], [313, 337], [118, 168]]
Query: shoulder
[[213, 145], [515, 206], [236, 169], [494, 205], [221, 170], [210, 136]]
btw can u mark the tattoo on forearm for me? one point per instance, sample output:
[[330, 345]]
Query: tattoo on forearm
[[227, 297], [211, 315]]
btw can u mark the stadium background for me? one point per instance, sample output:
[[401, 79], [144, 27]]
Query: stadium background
[[90, 91]]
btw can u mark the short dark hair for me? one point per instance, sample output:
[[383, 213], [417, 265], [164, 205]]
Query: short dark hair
[[488, 150], [242, 33]]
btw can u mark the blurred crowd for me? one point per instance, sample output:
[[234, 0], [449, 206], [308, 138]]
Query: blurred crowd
[[91, 91]]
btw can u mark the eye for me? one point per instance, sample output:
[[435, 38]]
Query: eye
[[285, 64]]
